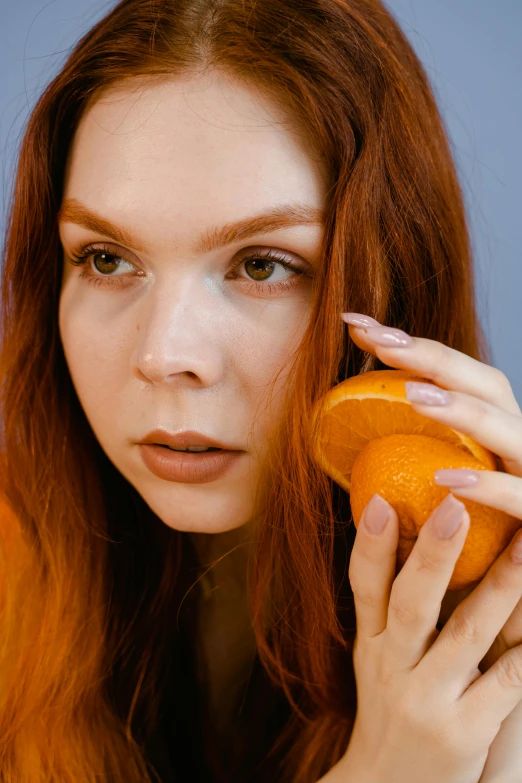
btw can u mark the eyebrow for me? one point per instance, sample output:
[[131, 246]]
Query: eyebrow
[[284, 216]]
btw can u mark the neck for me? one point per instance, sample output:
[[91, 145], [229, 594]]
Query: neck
[[226, 644], [223, 557]]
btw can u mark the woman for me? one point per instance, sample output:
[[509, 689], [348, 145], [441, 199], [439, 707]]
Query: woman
[[247, 172]]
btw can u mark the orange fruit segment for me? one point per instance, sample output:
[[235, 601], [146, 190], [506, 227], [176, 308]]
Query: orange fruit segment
[[369, 438]]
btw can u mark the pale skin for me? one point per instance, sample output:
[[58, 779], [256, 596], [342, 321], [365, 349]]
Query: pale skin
[[484, 407], [190, 341], [184, 344]]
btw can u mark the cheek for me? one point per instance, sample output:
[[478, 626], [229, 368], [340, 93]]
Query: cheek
[[265, 348], [267, 361], [93, 357]]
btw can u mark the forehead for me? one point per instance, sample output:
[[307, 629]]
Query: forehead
[[205, 144]]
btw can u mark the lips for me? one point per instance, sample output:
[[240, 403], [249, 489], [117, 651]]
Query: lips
[[208, 449], [160, 437], [188, 467]]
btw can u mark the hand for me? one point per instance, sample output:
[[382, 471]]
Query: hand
[[424, 710], [482, 406]]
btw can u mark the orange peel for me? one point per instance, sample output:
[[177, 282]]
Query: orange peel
[[369, 438]]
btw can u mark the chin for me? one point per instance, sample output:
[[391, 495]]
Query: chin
[[214, 507], [199, 526], [192, 512]]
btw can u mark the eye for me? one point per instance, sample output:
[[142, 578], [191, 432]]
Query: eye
[[259, 266], [81, 257]]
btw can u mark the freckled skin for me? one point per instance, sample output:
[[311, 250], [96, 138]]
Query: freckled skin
[[183, 347]]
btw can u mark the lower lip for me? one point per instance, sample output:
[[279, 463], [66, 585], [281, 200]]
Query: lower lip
[[187, 467]]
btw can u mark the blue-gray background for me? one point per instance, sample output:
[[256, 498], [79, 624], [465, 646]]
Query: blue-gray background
[[472, 53]]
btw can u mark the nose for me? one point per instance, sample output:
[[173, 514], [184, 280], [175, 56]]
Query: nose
[[179, 337]]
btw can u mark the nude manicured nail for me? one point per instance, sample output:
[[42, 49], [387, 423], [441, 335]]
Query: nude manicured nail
[[392, 338], [376, 514], [447, 517], [358, 319], [458, 477], [426, 393]]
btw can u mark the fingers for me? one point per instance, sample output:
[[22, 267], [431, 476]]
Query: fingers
[[496, 693], [417, 593], [475, 623], [445, 366], [490, 425], [495, 489], [407, 607], [372, 568]]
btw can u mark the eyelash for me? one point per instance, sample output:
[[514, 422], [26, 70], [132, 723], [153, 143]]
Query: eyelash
[[80, 258]]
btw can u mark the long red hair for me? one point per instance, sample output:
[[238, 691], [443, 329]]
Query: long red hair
[[88, 586]]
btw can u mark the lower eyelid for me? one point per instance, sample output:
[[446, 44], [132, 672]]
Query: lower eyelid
[[88, 274]]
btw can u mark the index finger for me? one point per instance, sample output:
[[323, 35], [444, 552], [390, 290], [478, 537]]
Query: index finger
[[372, 571], [445, 366]]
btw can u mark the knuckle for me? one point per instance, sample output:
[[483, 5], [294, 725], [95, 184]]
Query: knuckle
[[362, 561], [427, 559], [363, 595], [497, 579], [365, 599], [402, 612], [461, 627], [476, 412], [509, 669], [361, 554], [501, 380], [512, 490], [441, 354]]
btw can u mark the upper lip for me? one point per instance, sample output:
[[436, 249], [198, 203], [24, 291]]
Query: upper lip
[[184, 439]]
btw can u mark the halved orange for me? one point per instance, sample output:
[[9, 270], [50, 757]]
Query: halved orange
[[369, 438]]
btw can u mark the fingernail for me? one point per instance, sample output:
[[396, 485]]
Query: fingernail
[[358, 319], [392, 338], [426, 394], [447, 517], [376, 515], [459, 477]]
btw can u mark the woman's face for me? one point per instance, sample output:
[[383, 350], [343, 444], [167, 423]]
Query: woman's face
[[167, 329]]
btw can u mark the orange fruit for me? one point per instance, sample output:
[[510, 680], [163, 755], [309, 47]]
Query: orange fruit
[[369, 438]]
